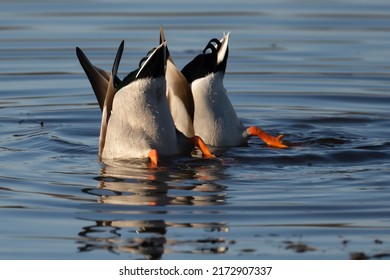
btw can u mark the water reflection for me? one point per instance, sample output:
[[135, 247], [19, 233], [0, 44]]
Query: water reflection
[[148, 210]]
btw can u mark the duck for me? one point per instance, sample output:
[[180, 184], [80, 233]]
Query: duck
[[215, 119], [136, 121]]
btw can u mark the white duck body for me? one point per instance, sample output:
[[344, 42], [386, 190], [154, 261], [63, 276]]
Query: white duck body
[[136, 121], [215, 119], [140, 121]]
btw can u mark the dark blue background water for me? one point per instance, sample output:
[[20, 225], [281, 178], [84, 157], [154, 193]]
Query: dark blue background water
[[316, 71]]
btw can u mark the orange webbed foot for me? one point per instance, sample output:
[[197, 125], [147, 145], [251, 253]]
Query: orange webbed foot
[[198, 142], [270, 140], [153, 156]]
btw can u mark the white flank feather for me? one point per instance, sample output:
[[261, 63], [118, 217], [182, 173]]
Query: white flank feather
[[140, 121], [215, 120]]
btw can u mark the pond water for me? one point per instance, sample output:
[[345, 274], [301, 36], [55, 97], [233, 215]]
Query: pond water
[[316, 71]]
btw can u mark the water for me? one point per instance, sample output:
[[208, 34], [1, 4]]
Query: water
[[316, 71]]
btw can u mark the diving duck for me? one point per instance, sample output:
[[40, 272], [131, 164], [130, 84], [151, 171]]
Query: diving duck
[[136, 120]]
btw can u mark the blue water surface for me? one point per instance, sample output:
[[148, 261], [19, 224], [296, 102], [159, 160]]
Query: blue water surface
[[316, 71]]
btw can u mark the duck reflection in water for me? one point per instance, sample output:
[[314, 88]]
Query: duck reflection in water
[[138, 218]]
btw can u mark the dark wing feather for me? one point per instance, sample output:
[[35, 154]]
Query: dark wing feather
[[96, 76]]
